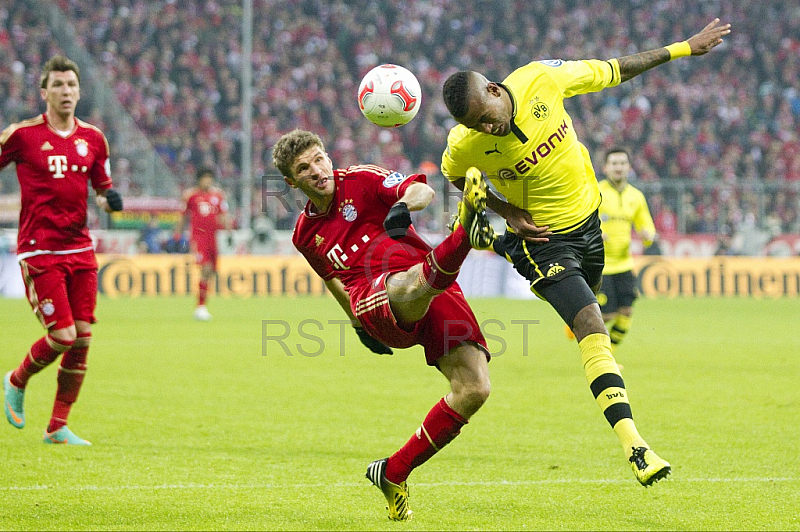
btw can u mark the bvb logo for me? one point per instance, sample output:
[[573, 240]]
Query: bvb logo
[[539, 110], [555, 269], [602, 299]]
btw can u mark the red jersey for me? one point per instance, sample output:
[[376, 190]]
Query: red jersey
[[348, 241], [54, 173], [204, 208]]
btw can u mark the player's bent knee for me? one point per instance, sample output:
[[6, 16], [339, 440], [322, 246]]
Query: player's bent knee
[[67, 335], [568, 296]]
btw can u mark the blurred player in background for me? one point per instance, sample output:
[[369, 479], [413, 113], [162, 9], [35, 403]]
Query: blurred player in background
[[519, 133], [56, 156], [207, 210], [356, 233], [623, 208]]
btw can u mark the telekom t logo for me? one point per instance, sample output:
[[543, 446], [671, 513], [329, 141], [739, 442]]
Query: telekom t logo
[[337, 257], [58, 163]]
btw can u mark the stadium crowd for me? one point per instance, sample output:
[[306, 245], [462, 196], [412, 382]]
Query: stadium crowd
[[731, 120]]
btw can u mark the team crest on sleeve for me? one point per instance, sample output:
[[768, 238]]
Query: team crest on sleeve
[[348, 210], [393, 179], [552, 62], [82, 147]]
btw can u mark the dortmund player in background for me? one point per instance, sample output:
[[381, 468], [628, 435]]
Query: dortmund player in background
[[520, 135], [623, 208]]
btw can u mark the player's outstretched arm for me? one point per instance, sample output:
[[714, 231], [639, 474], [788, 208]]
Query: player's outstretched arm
[[701, 43]]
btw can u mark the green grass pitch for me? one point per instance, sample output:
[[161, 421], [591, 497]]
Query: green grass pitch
[[206, 426]]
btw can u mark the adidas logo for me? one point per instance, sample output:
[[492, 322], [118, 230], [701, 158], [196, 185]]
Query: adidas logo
[[47, 146]]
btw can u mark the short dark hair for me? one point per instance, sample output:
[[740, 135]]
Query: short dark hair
[[612, 151], [58, 63], [204, 171], [456, 93], [290, 146]]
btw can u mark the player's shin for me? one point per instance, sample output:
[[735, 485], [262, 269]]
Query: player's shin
[[619, 328], [70, 378], [441, 426], [608, 389], [202, 292], [440, 267], [41, 355]]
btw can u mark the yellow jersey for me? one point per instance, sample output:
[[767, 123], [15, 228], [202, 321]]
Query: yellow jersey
[[619, 212], [540, 166]]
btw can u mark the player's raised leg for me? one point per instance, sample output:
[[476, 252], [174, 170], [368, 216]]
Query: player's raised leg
[[42, 354]]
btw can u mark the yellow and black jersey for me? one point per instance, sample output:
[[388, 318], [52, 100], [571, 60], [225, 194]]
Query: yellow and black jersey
[[619, 212], [540, 166]]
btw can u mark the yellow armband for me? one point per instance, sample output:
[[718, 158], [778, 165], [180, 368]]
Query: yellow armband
[[679, 49]]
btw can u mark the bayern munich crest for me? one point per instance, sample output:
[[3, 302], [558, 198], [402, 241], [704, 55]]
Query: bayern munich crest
[[47, 307], [82, 147], [349, 213]]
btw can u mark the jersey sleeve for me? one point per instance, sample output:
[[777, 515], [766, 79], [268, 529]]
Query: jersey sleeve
[[642, 221], [454, 163], [9, 148], [581, 77], [389, 187], [100, 173]]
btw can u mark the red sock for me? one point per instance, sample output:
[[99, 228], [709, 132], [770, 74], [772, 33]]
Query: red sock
[[202, 293], [441, 425], [70, 378], [41, 355], [441, 265]]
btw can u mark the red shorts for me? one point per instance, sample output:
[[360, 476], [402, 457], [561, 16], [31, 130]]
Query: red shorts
[[205, 252], [448, 323], [61, 288]]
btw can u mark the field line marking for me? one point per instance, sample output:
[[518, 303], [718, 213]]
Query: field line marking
[[193, 486]]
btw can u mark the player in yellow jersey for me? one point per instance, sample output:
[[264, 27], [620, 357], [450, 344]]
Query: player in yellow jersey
[[520, 135], [623, 208]]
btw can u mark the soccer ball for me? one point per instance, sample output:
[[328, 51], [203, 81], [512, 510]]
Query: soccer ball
[[389, 95]]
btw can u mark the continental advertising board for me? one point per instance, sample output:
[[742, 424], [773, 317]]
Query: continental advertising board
[[237, 276], [761, 277], [254, 276]]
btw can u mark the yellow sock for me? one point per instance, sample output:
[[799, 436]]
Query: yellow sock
[[619, 329], [608, 389]]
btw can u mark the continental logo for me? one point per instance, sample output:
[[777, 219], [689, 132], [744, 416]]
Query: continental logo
[[761, 277], [239, 276], [555, 269], [542, 150]]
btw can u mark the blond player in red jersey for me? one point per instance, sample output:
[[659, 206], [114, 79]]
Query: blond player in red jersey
[[56, 156], [207, 210]]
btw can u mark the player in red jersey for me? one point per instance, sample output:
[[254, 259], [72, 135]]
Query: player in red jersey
[[356, 233], [56, 155], [207, 210]]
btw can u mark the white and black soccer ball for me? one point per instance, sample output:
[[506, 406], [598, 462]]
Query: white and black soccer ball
[[389, 95]]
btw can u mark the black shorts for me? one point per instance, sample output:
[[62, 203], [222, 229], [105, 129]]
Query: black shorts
[[579, 252], [619, 290]]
